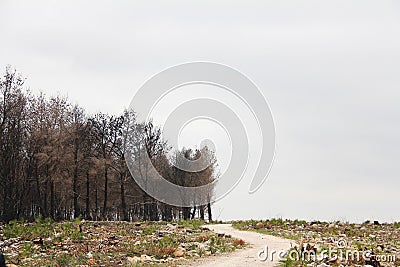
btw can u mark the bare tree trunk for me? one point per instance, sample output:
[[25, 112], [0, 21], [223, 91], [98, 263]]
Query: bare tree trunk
[[154, 211], [193, 212], [45, 210], [6, 209], [186, 213], [123, 201], [105, 190], [87, 196], [37, 185], [202, 212], [96, 199], [145, 207], [52, 200], [209, 212], [167, 213], [75, 181]]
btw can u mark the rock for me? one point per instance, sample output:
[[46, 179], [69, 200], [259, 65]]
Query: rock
[[202, 246], [179, 252], [259, 225], [170, 226], [145, 258], [132, 260]]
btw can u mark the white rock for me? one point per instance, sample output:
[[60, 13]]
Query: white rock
[[179, 252], [170, 226], [133, 260], [145, 258]]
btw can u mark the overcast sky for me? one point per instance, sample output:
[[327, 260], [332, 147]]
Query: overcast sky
[[330, 71]]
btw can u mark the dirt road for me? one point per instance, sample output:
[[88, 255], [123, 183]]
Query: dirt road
[[247, 256]]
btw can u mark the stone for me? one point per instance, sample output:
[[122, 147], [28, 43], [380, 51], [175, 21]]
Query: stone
[[259, 225], [202, 246], [179, 252], [145, 258], [170, 226], [132, 260]]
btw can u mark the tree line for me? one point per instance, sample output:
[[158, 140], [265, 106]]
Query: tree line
[[58, 161]]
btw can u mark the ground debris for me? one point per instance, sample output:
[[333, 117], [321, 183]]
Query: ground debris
[[86, 243], [380, 242]]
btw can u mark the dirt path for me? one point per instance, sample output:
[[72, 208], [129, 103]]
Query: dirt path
[[247, 256]]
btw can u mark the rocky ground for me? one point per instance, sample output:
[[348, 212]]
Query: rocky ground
[[80, 243], [380, 243]]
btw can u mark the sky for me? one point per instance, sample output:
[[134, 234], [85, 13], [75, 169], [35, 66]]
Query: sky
[[328, 69]]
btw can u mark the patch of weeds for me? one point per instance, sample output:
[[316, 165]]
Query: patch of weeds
[[26, 250], [149, 230], [191, 224], [68, 230], [39, 228], [14, 229], [288, 262], [168, 241], [65, 260]]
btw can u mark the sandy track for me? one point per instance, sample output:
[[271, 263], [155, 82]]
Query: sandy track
[[247, 256]]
